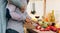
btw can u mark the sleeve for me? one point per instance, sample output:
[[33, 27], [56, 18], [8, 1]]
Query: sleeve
[[13, 14]]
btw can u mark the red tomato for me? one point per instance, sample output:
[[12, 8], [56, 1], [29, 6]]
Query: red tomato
[[47, 29], [58, 28], [53, 28]]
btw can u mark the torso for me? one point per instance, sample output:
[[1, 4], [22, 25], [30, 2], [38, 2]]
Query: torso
[[16, 25]]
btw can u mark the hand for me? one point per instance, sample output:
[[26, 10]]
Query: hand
[[28, 20], [34, 21]]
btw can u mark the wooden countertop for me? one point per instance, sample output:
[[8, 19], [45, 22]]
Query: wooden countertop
[[30, 26]]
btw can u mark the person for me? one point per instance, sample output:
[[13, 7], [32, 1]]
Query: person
[[18, 17]]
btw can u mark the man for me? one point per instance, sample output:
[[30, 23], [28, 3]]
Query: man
[[18, 17]]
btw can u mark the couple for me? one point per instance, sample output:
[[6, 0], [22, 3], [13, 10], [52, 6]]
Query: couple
[[18, 17]]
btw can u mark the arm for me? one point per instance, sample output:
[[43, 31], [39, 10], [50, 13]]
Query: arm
[[28, 15], [13, 14], [29, 19]]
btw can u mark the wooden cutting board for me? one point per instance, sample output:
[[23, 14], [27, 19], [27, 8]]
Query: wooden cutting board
[[29, 26]]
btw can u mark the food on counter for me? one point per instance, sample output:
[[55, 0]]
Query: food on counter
[[53, 28], [42, 29], [46, 19], [46, 24], [57, 25], [34, 19], [38, 27], [47, 28], [51, 16]]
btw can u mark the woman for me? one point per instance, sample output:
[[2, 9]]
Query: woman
[[18, 17]]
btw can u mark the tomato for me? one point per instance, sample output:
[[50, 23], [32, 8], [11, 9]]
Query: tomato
[[47, 29], [53, 28]]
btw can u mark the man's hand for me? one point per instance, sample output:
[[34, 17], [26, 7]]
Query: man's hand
[[28, 20]]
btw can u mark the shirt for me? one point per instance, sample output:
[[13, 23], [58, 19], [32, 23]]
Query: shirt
[[15, 22]]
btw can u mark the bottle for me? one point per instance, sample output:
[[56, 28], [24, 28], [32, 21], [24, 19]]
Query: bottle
[[33, 11], [52, 17]]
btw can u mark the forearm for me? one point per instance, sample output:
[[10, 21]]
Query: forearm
[[16, 16]]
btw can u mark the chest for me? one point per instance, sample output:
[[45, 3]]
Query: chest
[[23, 15]]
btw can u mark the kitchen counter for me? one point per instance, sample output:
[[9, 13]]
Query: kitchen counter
[[30, 26]]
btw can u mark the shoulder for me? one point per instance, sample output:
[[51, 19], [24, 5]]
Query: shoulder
[[11, 7]]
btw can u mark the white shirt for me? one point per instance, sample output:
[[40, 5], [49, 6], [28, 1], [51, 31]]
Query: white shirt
[[16, 15]]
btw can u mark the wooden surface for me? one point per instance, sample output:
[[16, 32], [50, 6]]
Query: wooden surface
[[30, 26], [43, 31]]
